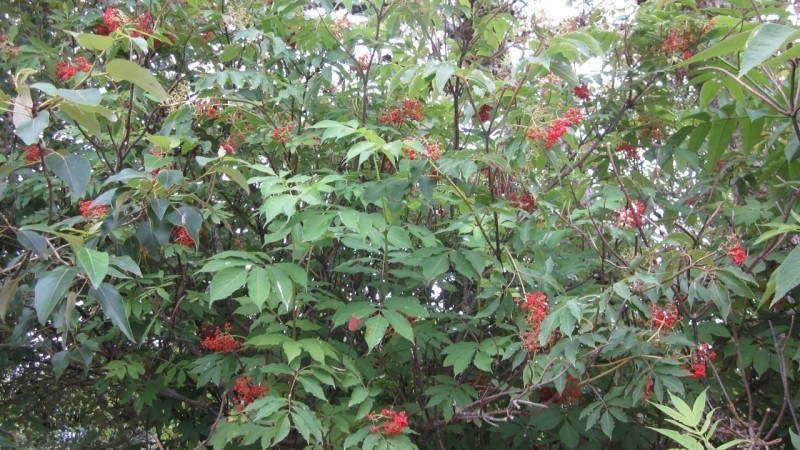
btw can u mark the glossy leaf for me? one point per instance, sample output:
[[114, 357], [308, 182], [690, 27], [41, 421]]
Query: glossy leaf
[[50, 288], [93, 263], [74, 170], [124, 70], [111, 302]]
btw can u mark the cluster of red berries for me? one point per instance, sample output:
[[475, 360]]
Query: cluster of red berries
[[181, 236], [572, 393], [484, 114], [207, 36], [537, 308], [411, 109], [582, 92], [144, 25], [410, 152], [698, 362], [113, 18], [629, 217], [33, 153], [630, 152], [393, 422], [554, 131], [158, 153], [220, 341], [682, 41], [282, 134], [66, 71], [206, 110], [6, 48], [247, 392], [648, 389], [525, 202], [663, 319], [291, 43], [432, 149], [91, 211], [229, 145], [363, 64], [736, 253], [676, 41], [650, 134], [344, 22]]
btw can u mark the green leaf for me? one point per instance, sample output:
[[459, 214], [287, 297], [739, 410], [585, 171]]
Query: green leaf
[[188, 217], [359, 395], [699, 406], [375, 330], [169, 177], [230, 53], [152, 235], [111, 302], [683, 408], [483, 361], [293, 349], [315, 226], [87, 97], [719, 295], [687, 442], [258, 286], [94, 41], [787, 276], [86, 119], [568, 435], [124, 70], [93, 263], [312, 387], [361, 148], [318, 349], [765, 40], [434, 266], [443, 73], [795, 440], [734, 442], [730, 44], [400, 324], [7, 293], [607, 423], [50, 289], [30, 129], [235, 176], [459, 355], [226, 282], [719, 140], [164, 142], [283, 286], [72, 169], [60, 362], [127, 264], [34, 242], [674, 414]]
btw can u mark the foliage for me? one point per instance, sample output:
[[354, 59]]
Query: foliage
[[689, 418], [397, 224]]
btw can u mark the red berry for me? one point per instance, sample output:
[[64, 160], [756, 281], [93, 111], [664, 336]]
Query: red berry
[[582, 92], [33, 153], [484, 113], [352, 324]]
